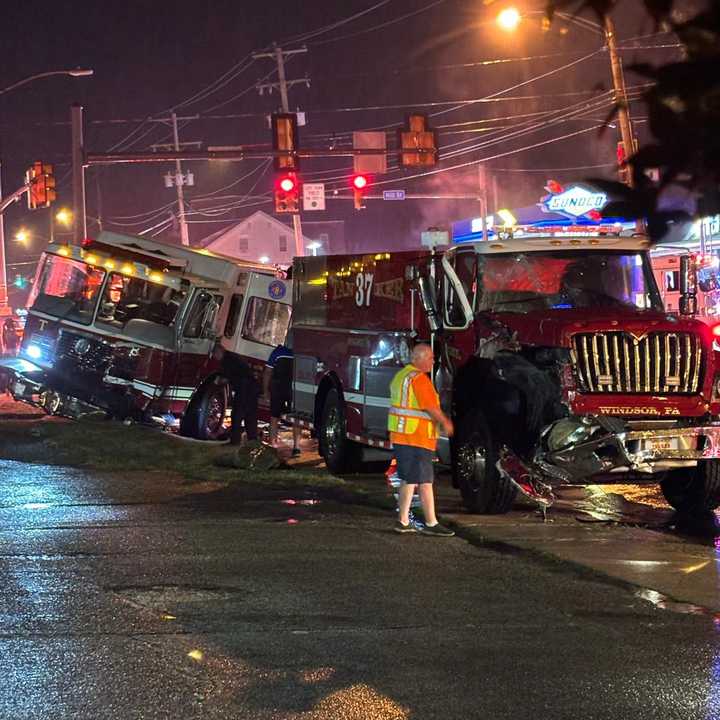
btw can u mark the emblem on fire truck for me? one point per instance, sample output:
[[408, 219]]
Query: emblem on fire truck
[[277, 290]]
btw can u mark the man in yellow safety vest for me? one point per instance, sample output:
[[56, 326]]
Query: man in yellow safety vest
[[412, 420]]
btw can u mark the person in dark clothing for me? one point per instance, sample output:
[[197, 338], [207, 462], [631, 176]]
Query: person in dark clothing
[[245, 395], [277, 383]]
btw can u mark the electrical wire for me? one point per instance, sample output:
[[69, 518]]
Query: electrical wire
[[333, 26], [381, 26]]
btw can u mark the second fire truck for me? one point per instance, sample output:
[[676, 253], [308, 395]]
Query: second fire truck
[[554, 356]]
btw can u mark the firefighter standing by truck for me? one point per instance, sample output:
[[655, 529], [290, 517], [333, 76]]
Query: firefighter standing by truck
[[414, 415]]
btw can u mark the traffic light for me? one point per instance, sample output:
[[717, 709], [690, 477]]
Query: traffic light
[[359, 183], [285, 138], [287, 194], [417, 143], [41, 180], [20, 282]]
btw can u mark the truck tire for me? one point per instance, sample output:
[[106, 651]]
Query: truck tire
[[694, 490], [474, 456], [204, 418], [341, 455]]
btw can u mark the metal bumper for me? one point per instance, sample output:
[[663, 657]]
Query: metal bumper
[[671, 445]]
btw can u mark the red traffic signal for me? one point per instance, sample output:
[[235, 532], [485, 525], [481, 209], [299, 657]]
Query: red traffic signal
[[287, 194], [359, 183], [287, 184]]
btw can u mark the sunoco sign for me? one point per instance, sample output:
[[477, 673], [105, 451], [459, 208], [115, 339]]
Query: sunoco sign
[[574, 202]]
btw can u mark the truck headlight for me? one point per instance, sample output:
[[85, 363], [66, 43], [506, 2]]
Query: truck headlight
[[34, 352]]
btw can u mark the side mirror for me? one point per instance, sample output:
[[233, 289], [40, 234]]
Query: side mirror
[[427, 297], [688, 286]]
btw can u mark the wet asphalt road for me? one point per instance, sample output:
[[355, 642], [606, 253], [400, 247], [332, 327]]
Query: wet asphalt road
[[127, 597]]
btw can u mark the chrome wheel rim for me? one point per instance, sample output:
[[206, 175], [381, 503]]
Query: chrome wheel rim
[[333, 432], [471, 465], [215, 415]]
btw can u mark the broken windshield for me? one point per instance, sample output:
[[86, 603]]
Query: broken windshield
[[67, 289], [565, 280]]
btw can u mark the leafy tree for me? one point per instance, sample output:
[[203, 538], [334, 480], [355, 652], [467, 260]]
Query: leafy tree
[[683, 107]]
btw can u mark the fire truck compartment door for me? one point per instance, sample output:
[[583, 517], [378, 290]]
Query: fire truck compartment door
[[376, 384], [304, 387]]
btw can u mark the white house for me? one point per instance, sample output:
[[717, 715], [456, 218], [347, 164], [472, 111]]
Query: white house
[[260, 237]]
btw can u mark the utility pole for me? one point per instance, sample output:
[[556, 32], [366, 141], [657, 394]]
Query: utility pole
[[184, 237], [278, 54], [78, 175], [624, 124], [179, 179]]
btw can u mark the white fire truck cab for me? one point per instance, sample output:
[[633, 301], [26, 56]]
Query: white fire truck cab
[[127, 325]]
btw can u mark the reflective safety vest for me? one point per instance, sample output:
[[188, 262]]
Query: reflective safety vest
[[405, 416]]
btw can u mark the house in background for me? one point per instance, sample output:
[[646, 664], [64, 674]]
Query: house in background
[[262, 237]]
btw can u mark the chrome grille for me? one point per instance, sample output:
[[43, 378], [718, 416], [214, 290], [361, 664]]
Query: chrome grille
[[92, 356], [620, 362]]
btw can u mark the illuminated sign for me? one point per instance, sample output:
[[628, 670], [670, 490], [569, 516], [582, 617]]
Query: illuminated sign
[[574, 202]]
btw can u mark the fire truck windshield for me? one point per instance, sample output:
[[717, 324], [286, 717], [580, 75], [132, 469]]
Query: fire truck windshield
[[129, 298], [67, 289], [565, 280]]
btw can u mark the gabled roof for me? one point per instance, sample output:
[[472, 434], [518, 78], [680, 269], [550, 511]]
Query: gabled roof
[[257, 215]]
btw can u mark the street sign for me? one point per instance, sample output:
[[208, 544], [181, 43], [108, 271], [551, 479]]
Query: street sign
[[314, 196], [393, 194], [433, 238]]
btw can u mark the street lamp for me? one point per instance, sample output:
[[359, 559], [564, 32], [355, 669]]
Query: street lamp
[[509, 19], [72, 72], [77, 72], [22, 236]]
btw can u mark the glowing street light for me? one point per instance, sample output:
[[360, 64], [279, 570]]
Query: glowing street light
[[22, 236], [64, 217], [508, 19]]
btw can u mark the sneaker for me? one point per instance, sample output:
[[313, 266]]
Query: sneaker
[[400, 528], [295, 452], [437, 530]]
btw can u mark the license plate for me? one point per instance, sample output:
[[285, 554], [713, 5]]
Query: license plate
[[19, 388], [661, 444]]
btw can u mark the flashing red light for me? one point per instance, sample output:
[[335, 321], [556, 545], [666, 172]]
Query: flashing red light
[[287, 184], [360, 182]]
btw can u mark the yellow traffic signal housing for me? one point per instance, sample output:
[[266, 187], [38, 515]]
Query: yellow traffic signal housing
[[417, 143], [41, 180], [285, 139]]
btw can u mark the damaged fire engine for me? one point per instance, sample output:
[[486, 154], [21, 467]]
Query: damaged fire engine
[[127, 325], [554, 356]]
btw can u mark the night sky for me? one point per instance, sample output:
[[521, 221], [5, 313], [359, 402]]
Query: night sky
[[149, 57]]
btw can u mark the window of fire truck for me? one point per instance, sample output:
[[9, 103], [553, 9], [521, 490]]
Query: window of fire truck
[[465, 265], [266, 322], [68, 289], [233, 315], [566, 280], [130, 298], [194, 323]]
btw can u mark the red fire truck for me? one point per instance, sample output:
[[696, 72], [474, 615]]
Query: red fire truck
[[554, 357], [707, 269], [127, 325]]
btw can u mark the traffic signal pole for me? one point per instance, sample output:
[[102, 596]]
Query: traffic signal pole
[[279, 55], [5, 203], [5, 309]]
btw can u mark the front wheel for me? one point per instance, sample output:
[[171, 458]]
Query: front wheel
[[474, 457], [205, 417], [694, 490], [341, 455]]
